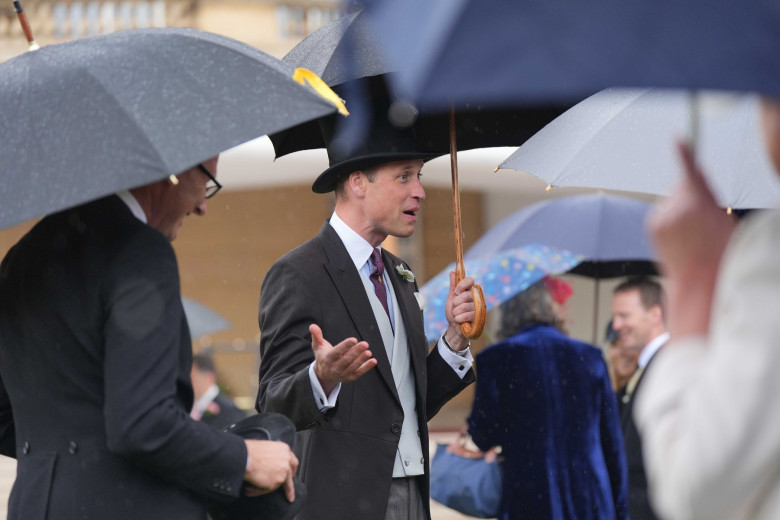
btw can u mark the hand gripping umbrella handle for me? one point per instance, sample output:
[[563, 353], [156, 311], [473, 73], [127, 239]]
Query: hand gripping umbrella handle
[[474, 329], [25, 25]]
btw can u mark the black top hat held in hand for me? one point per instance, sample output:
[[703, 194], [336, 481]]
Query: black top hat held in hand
[[272, 506]]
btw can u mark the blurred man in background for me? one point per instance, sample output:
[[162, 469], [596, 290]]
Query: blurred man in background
[[211, 405], [638, 320]]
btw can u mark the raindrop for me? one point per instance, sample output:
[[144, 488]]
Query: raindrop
[[402, 114]]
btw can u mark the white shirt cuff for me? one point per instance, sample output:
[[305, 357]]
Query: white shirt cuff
[[323, 401], [460, 364]]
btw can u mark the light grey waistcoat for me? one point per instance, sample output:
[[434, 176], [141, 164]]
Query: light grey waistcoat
[[409, 459]]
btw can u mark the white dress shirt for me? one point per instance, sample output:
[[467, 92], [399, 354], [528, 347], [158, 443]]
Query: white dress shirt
[[133, 204], [650, 349]]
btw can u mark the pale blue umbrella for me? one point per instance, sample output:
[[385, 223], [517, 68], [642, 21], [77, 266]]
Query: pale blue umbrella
[[608, 231]]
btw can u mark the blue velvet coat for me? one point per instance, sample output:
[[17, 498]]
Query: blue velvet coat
[[546, 399]]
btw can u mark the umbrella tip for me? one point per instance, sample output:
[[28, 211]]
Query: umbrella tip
[[728, 210], [304, 76], [548, 188], [496, 169]]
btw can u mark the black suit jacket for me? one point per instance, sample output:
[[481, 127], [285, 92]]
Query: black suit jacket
[[639, 504], [95, 357], [346, 455]]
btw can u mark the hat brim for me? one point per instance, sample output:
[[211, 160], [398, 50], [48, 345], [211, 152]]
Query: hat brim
[[329, 179], [267, 426]]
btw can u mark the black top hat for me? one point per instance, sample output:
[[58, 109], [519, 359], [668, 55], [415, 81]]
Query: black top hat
[[383, 143], [267, 426]]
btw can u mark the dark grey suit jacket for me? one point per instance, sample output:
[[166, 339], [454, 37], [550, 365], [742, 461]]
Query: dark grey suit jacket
[[95, 357], [639, 506], [346, 455]]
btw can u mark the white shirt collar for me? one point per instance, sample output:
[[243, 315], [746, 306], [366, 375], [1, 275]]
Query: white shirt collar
[[358, 248], [651, 348], [133, 204]]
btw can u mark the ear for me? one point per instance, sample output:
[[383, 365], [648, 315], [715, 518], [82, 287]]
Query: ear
[[356, 183], [657, 313]]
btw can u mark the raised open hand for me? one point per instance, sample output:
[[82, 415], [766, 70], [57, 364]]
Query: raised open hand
[[343, 363]]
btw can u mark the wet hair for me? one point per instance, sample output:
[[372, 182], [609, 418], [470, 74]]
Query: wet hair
[[650, 292], [533, 305]]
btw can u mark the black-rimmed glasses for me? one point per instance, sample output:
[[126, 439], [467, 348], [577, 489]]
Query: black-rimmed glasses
[[213, 186]]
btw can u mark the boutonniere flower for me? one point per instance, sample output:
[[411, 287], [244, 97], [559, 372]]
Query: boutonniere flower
[[420, 300], [406, 274]]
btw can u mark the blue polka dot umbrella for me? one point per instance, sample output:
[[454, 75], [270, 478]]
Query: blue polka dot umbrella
[[501, 275]]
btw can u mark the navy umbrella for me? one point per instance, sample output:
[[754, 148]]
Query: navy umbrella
[[497, 52], [90, 117]]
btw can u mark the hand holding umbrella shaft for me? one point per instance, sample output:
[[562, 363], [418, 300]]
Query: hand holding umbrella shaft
[[472, 328], [459, 310]]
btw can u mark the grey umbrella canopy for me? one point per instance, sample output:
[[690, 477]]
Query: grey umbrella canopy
[[622, 139], [87, 118], [202, 320]]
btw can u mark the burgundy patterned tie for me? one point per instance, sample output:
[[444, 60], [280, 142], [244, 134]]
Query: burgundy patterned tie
[[376, 278]]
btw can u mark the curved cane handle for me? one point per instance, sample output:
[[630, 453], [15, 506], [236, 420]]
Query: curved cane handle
[[473, 330]]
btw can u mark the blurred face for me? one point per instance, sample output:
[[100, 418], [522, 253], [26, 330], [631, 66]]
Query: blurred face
[[180, 200], [623, 360], [391, 200], [634, 324]]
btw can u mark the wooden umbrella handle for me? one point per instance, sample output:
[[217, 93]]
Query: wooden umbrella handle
[[474, 329]]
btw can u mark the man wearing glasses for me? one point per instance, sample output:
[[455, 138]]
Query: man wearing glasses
[[95, 359]]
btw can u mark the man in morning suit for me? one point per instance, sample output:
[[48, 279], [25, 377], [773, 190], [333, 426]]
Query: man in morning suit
[[95, 356], [361, 414], [638, 319]]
